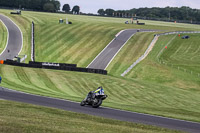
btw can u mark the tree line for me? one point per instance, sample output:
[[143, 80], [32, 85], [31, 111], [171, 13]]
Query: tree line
[[167, 13], [36, 5], [39, 5], [67, 9]]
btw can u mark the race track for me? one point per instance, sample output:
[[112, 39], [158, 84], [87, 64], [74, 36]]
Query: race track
[[104, 58], [14, 44], [191, 127]]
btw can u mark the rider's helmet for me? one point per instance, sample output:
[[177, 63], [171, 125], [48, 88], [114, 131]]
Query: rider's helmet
[[100, 90]]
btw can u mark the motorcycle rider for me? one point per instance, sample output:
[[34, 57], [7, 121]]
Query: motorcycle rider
[[94, 98], [92, 94]]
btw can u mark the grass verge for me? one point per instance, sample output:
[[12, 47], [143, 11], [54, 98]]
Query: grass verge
[[3, 37], [19, 117]]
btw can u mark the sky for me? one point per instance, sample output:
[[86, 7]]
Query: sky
[[92, 6]]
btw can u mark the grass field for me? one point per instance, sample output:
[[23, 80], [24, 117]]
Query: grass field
[[128, 94], [3, 37], [150, 87], [180, 57], [17, 118], [184, 53]]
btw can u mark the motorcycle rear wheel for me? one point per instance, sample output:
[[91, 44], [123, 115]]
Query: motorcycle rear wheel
[[97, 104]]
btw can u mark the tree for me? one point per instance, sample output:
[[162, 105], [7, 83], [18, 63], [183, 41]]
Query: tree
[[56, 4], [109, 12], [101, 12], [76, 9], [37, 5], [49, 7], [66, 8]]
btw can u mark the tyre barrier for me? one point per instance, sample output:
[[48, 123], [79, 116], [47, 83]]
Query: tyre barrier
[[56, 66]]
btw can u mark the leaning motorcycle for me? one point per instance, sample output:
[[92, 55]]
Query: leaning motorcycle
[[94, 98]]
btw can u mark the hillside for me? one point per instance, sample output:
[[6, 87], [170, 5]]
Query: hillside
[[177, 66], [86, 37], [151, 87]]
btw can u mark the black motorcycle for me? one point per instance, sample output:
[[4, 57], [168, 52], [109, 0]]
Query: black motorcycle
[[94, 98]]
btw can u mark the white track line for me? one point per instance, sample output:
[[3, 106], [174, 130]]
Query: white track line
[[105, 48], [19, 30], [119, 51]]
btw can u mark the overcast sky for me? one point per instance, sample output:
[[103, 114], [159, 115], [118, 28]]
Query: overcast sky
[[92, 6]]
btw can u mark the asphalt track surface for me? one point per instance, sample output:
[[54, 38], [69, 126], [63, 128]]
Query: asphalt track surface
[[104, 58], [14, 43], [186, 126]]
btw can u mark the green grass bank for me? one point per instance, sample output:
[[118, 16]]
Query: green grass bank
[[128, 94], [18, 117], [3, 37]]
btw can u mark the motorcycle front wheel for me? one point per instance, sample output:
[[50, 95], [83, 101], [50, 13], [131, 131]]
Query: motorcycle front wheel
[[83, 103], [96, 103]]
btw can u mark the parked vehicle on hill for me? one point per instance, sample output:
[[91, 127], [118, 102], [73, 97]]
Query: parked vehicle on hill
[[185, 37], [94, 98]]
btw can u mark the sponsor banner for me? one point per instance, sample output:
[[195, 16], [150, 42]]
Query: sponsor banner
[[50, 64], [57, 66]]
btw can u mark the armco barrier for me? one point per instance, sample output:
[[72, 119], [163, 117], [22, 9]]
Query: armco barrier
[[56, 66]]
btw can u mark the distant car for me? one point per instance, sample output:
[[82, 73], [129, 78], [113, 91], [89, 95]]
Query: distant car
[[185, 37]]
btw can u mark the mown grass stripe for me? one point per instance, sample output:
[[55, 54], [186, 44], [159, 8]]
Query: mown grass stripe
[[55, 31], [62, 49], [47, 81], [89, 48], [22, 75], [18, 84], [52, 49], [33, 18], [3, 36]]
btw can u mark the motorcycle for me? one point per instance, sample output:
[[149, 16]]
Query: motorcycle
[[94, 98]]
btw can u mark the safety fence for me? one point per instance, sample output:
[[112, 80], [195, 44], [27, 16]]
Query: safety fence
[[180, 68], [178, 32], [176, 66], [156, 36], [56, 66]]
